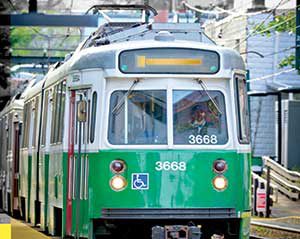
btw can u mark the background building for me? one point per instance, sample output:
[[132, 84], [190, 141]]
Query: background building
[[262, 55]]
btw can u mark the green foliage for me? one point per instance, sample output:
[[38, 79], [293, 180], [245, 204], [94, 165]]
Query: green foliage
[[281, 23], [288, 61], [20, 36], [43, 38]]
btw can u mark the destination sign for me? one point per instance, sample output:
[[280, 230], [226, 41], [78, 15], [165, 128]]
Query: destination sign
[[169, 61]]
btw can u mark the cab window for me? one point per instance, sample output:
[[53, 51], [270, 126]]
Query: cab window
[[197, 119], [138, 118]]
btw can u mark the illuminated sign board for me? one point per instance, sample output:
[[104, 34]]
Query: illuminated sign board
[[169, 61]]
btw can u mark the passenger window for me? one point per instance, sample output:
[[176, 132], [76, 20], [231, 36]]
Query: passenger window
[[58, 110], [53, 122], [25, 125], [93, 117], [242, 109], [35, 124], [9, 131], [27, 118], [45, 115], [1, 128], [62, 111]]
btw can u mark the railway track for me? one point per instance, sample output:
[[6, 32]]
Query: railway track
[[273, 231], [257, 237]]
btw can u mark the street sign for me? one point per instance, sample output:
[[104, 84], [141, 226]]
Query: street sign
[[261, 200]]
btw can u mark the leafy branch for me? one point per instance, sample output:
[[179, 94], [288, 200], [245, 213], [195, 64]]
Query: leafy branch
[[281, 23]]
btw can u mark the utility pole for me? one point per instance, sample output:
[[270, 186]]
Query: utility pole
[[298, 36], [32, 6]]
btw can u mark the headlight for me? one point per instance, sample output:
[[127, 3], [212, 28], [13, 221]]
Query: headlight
[[118, 183], [220, 183], [117, 166], [220, 166]]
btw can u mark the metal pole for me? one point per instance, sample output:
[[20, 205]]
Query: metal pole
[[279, 130], [255, 186], [298, 36], [268, 192], [78, 170], [32, 6], [147, 13]]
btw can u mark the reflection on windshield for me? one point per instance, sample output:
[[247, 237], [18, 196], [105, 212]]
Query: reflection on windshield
[[141, 119], [196, 118]]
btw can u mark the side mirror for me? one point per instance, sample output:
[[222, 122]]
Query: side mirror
[[82, 111]]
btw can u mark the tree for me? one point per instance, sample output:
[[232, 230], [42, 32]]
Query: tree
[[281, 23]]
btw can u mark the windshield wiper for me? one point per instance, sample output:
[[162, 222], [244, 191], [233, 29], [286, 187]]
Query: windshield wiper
[[128, 93], [204, 87]]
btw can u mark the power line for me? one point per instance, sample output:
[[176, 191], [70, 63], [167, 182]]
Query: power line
[[236, 16], [199, 10], [234, 39], [274, 26], [261, 24], [247, 13], [281, 51], [11, 5], [271, 75]]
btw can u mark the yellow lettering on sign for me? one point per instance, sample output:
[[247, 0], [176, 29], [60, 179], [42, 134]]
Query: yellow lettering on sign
[[142, 61]]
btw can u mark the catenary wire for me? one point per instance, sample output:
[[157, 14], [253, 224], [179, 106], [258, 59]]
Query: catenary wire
[[271, 75], [260, 24]]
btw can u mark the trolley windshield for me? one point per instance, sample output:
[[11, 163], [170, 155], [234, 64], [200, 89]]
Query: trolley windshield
[[197, 120], [138, 118]]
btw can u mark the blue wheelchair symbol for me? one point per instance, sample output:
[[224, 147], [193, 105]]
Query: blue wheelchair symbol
[[140, 181]]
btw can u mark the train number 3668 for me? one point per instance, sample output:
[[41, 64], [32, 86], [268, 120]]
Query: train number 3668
[[170, 166]]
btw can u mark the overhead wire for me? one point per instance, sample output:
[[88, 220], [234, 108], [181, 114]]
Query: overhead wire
[[271, 75], [248, 13], [274, 26], [199, 10], [281, 51], [46, 36], [263, 31], [230, 18], [11, 4], [260, 25]]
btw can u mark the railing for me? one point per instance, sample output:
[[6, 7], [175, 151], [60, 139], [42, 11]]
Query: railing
[[287, 181], [263, 195], [263, 184]]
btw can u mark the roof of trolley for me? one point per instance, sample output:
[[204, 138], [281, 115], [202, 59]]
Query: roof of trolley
[[100, 50], [17, 101], [105, 57], [13, 105]]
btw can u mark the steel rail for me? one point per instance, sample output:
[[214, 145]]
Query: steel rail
[[276, 227], [258, 237]]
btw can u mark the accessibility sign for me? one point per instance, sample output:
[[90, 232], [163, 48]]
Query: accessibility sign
[[140, 181]]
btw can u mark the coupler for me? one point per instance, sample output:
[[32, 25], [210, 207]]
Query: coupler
[[176, 232]]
